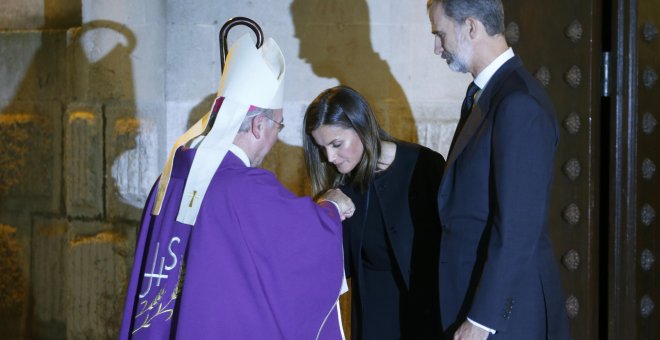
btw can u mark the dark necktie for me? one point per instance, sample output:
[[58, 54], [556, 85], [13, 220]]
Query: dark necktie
[[468, 102]]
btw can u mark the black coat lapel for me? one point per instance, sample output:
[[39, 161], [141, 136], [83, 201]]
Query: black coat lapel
[[391, 188]]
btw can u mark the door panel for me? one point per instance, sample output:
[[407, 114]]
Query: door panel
[[558, 42], [634, 287], [647, 280]]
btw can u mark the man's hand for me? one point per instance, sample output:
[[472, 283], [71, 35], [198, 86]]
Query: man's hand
[[468, 331], [346, 206]]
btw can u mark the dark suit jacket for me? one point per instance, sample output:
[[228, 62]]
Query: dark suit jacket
[[497, 265], [407, 194]]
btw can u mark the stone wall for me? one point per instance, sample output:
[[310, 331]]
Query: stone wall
[[94, 92]]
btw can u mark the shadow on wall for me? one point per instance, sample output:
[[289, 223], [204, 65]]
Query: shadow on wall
[[335, 40], [104, 77], [105, 158], [71, 119]]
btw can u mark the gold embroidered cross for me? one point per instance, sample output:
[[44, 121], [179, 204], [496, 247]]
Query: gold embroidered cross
[[192, 198]]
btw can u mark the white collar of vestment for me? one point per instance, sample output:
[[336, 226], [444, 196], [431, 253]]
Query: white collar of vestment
[[484, 76], [236, 150]]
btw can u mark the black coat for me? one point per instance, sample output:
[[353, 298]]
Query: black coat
[[407, 193]]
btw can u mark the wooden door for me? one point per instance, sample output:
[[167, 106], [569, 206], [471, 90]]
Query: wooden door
[[559, 42], [599, 62], [634, 283]]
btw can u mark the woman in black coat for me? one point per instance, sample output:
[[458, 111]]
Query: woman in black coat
[[391, 243]]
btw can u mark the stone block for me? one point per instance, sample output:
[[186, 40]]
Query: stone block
[[384, 14], [194, 64], [17, 50], [131, 161], [433, 80], [185, 12], [288, 164], [264, 12], [13, 282], [48, 281], [294, 112], [438, 110], [96, 282], [400, 57], [62, 13], [30, 156], [332, 12], [395, 116], [148, 62], [436, 134], [34, 14], [25, 14], [181, 115], [83, 160], [43, 77], [100, 62], [302, 84]]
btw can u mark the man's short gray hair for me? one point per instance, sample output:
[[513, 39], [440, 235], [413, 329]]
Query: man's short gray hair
[[253, 112], [489, 12]]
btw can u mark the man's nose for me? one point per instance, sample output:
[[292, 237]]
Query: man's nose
[[438, 46]]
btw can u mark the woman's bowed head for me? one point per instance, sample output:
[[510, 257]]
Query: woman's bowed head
[[343, 142]]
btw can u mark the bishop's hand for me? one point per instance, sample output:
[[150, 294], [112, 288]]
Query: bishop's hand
[[343, 202]]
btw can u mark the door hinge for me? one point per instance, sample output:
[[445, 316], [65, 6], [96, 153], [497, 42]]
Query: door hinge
[[605, 74]]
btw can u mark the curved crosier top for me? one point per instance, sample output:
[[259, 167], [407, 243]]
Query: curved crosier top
[[254, 76]]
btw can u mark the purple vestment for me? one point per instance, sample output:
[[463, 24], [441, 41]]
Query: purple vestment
[[259, 263]]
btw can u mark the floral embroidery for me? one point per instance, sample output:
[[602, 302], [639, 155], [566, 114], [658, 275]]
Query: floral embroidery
[[156, 307]]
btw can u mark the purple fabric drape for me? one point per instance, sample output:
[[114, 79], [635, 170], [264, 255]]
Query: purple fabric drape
[[260, 262]]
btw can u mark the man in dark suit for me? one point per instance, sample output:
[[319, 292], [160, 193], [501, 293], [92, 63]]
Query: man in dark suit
[[498, 274]]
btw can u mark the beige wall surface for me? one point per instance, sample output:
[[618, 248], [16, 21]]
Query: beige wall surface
[[94, 93]]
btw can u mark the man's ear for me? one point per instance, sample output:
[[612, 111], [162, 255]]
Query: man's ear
[[476, 28], [257, 126], [473, 26]]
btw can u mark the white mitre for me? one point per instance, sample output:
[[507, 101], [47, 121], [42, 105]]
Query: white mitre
[[251, 77]]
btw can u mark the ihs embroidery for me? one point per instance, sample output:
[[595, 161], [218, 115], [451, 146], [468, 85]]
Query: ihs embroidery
[[158, 305]]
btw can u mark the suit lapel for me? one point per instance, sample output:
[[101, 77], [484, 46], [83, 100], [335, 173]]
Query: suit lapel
[[481, 109], [476, 118], [471, 126]]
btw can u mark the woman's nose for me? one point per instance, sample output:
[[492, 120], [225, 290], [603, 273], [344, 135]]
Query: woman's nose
[[332, 156]]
